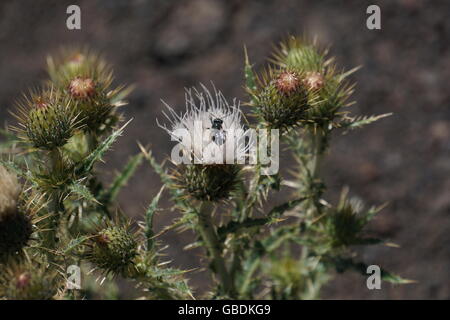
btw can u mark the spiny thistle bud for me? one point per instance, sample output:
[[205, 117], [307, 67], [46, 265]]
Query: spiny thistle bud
[[46, 119], [287, 82], [82, 88], [28, 281], [86, 78], [15, 227], [113, 249], [281, 100], [300, 55], [208, 182], [70, 63], [328, 90], [345, 223], [314, 81], [76, 60]]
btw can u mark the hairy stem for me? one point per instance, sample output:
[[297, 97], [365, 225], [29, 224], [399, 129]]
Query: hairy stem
[[209, 235], [50, 238]]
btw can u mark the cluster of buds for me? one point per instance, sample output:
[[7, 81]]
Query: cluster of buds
[[301, 88]]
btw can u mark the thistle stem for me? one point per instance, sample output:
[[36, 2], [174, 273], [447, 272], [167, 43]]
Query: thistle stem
[[50, 238], [209, 235], [317, 138]]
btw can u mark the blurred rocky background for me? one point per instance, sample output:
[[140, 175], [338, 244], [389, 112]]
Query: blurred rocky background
[[163, 46]]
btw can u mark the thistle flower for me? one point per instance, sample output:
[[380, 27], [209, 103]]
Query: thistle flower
[[45, 119], [212, 140], [113, 249], [86, 78], [28, 281], [211, 130]]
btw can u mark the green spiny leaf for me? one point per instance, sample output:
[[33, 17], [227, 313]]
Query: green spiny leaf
[[82, 191], [152, 208], [98, 153], [359, 122], [234, 226], [121, 180], [74, 243], [279, 210]]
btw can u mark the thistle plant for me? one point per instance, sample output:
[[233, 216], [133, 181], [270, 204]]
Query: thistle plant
[[56, 213]]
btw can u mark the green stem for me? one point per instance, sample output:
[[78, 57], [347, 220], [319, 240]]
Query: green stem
[[55, 205], [317, 139], [209, 235]]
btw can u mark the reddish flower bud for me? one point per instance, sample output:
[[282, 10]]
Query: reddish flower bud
[[314, 81], [82, 88], [287, 82]]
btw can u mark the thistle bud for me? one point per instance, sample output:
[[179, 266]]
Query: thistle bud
[[46, 120], [28, 281], [86, 78], [82, 88], [282, 100], [23, 280], [287, 82], [345, 223], [113, 249], [208, 182], [314, 81], [75, 60]]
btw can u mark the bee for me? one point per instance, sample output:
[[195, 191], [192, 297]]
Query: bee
[[218, 134]]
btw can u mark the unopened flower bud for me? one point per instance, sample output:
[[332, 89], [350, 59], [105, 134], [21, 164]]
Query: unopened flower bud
[[46, 119], [82, 88], [23, 280], [314, 81], [208, 182], [112, 249], [288, 82], [28, 281]]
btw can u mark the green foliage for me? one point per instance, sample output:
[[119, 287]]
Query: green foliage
[[66, 216], [63, 214]]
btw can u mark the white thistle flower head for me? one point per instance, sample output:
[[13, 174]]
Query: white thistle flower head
[[210, 131], [9, 192]]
